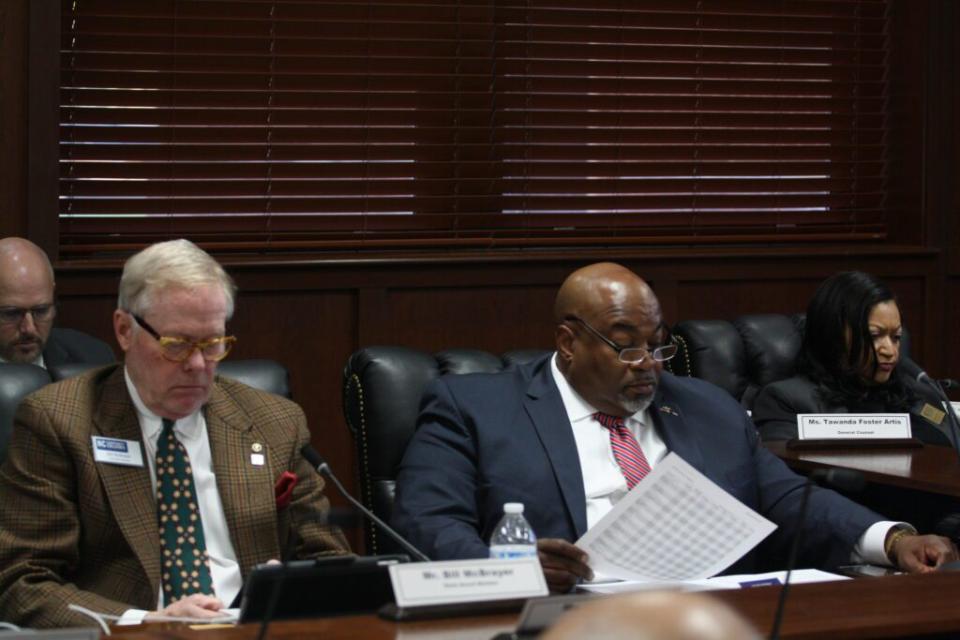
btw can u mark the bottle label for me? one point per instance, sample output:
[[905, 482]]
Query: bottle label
[[512, 551]]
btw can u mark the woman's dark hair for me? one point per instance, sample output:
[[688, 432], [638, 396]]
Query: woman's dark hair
[[842, 304]]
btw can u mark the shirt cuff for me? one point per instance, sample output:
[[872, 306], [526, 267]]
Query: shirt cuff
[[132, 616], [870, 546]]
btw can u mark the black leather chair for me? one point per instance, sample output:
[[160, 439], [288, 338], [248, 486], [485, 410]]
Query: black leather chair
[[266, 375], [70, 344], [382, 387], [744, 354], [16, 382], [62, 371]]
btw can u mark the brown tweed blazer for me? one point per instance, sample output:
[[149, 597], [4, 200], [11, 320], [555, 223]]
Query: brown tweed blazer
[[77, 531]]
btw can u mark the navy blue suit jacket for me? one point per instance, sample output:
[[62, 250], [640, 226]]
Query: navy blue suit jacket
[[68, 346], [486, 439]]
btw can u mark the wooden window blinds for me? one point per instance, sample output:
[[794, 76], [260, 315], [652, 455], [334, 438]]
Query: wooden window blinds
[[249, 125]]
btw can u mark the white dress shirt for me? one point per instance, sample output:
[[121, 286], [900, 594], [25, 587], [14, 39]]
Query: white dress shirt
[[603, 481], [38, 362], [192, 432]]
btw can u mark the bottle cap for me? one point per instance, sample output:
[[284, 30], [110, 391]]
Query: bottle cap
[[513, 507]]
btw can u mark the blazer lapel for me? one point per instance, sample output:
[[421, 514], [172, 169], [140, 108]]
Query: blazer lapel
[[669, 422], [545, 408], [128, 489], [246, 489]]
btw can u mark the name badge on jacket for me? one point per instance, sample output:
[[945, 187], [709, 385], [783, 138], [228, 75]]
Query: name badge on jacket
[[117, 451]]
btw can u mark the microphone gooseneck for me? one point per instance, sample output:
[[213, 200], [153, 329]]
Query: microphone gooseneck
[[913, 370], [321, 467], [846, 479]]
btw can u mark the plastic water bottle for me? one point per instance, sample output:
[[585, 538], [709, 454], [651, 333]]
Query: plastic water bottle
[[513, 537]]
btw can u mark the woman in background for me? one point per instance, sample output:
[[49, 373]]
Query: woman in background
[[848, 364]]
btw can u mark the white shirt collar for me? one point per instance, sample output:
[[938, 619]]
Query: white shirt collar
[[38, 362], [187, 428], [577, 408]]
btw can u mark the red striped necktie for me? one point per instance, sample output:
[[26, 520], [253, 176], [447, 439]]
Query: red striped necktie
[[626, 450]]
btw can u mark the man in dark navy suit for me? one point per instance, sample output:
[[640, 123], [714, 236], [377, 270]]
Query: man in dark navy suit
[[568, 435], [27, 311]]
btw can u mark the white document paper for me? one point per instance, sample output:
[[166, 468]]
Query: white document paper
[[675, 525], [741, 581]]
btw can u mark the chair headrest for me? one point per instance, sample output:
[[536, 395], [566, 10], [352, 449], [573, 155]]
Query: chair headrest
[[16, 382], [266, 375], [68, 370]]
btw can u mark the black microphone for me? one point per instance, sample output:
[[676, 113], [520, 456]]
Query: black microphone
[[949, 383], [321, 466], [845, 479], [913, 370]]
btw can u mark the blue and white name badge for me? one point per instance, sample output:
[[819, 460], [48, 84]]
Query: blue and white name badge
[[457, 581], [117, 451], [853, 426]]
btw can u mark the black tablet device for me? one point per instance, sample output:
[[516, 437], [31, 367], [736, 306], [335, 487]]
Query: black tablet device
[[338, 585]]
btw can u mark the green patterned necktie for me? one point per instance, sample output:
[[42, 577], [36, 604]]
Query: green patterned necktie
[[183, 550]]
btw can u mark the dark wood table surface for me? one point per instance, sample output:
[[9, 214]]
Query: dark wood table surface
[[891, 607], [929, 468]]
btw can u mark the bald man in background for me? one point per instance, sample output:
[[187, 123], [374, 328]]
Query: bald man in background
[[27, 311], [662, 615]]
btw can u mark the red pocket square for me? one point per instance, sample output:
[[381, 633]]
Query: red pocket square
[[283, 490]]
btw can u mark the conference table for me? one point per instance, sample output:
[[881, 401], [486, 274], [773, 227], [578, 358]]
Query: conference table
[[930, 469], [918, 606], [919, 485]]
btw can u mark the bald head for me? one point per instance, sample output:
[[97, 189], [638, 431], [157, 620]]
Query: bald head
[[26, 282], [597, 287], [19, 256], [662, 615]]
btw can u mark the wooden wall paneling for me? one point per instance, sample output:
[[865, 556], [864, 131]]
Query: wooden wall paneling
[[939, 90], [13, 115], [43, 131], [727, 299], [905, 109], [372, 308], [953, 213], [495, 319], [91, 314]]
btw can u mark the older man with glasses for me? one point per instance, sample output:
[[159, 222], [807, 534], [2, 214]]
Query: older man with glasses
[[154, 486], [28, 309], [570, 434]]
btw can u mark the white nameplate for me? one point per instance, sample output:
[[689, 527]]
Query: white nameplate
[[853, 426], [454, 581], [117, 451]]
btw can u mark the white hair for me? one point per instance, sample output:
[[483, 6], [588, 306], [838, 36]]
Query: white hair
[[175, 263]]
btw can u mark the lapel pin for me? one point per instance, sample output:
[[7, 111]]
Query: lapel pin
[[669, 410], [256, 455]]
